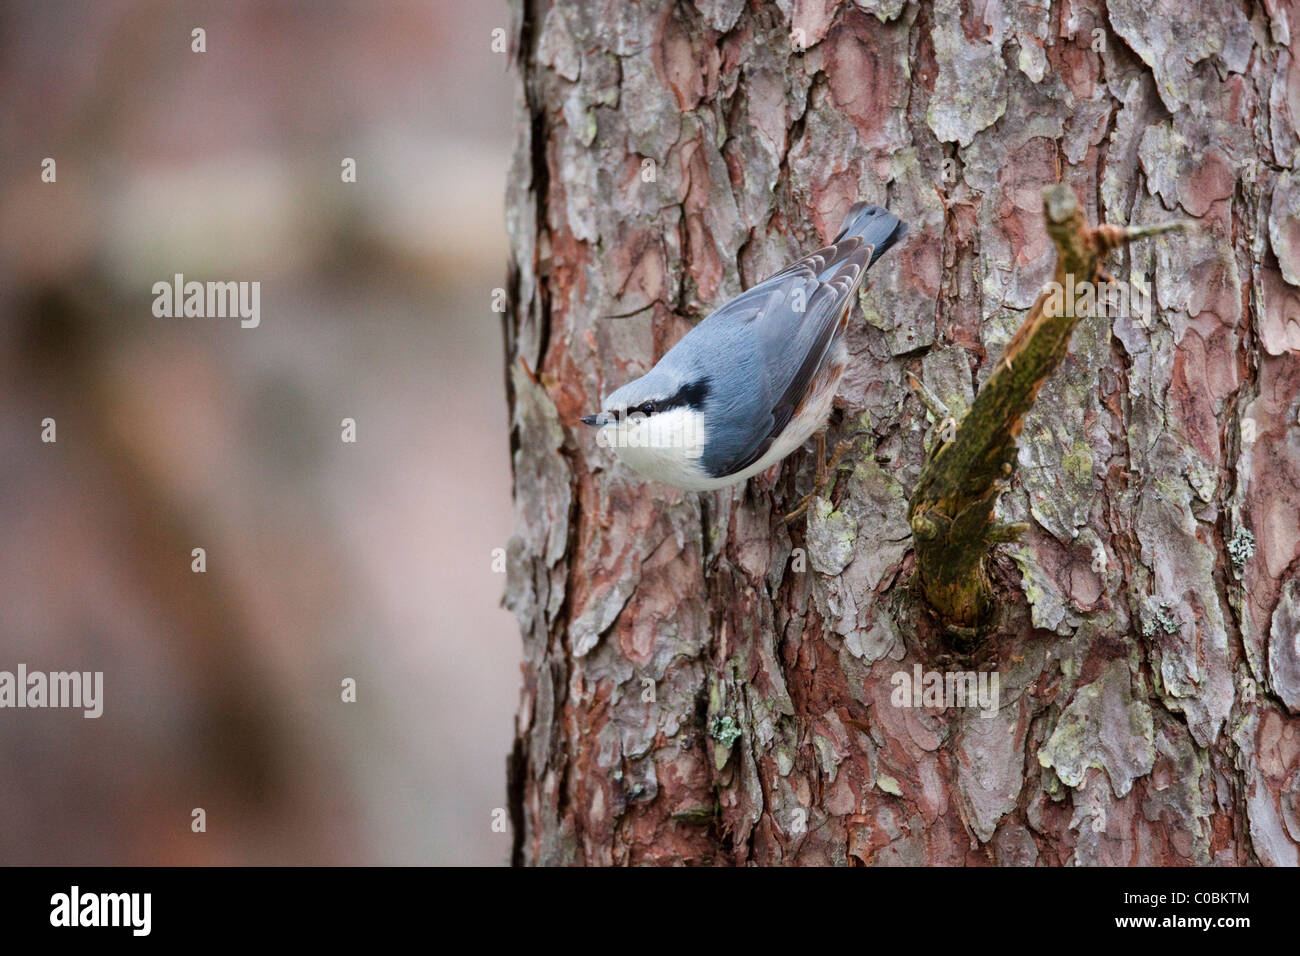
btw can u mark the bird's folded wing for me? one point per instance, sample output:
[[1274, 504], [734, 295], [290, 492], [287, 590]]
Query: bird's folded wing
[[797, 343]]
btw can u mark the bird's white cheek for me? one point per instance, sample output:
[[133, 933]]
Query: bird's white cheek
[[639, 434], [625, 434], [677, 433]]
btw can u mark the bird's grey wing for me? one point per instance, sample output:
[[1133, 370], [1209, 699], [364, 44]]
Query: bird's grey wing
[[796, 345]]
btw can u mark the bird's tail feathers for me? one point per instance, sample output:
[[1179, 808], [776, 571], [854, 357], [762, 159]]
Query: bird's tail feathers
[[874, 225]]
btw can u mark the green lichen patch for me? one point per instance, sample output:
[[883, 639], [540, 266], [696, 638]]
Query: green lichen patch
[[724, 730], [1103, 727], [1242, 547]]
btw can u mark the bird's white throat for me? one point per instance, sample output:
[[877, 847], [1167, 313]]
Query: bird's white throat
[[666, 446]]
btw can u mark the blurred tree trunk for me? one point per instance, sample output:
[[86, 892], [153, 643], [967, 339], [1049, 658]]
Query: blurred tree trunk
[[706, 684]]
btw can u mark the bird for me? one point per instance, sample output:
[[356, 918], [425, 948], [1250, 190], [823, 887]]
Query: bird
[[757, 377]]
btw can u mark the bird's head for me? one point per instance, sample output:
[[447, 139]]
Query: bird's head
[[656, 423]]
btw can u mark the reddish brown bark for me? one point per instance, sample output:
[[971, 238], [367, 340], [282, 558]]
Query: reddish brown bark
[[671, 155]]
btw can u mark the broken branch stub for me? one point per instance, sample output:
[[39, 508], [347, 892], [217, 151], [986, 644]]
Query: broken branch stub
[[951, 509]]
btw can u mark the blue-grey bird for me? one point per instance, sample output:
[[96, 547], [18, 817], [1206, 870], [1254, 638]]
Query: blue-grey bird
[[756, 378]]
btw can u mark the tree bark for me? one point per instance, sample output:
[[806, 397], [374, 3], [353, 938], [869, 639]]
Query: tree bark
[[952, 507], [707, 683]]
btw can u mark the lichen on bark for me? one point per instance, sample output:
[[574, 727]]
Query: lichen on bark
[[951, 511]]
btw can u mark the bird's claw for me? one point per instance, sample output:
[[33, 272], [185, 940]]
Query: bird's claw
[[825, 475]]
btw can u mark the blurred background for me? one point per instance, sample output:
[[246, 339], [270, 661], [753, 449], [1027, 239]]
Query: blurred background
[[325, 560]]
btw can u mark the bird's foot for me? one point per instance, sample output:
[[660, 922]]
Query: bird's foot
[[826, 473]]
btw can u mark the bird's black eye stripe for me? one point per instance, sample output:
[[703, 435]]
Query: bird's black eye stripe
[[690, 395]]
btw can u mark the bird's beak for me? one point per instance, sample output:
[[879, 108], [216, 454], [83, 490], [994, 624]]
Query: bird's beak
[[600, 418]]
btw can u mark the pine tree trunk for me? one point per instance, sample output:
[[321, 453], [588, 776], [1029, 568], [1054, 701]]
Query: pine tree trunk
[[705, 683]]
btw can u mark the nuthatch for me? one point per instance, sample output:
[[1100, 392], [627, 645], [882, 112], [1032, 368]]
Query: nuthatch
[[751, 383]]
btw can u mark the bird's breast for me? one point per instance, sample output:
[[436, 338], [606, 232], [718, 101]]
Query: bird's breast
[[811, 413]]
